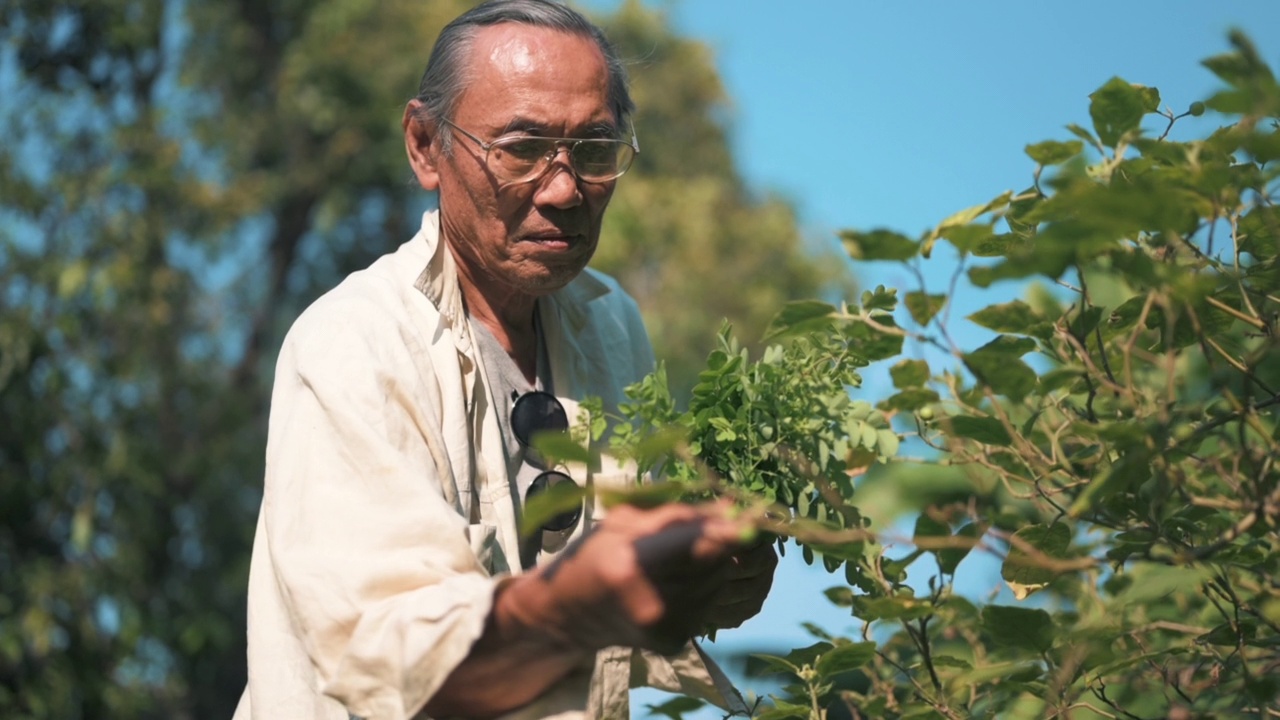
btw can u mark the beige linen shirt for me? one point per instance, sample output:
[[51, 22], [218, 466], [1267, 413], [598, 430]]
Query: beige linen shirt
[[387, 517]]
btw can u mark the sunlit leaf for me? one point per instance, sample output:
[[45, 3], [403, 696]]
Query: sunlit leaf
[[845, 657], [910, 399], [923, 306], [1011, 317], [878, 245], [909, 373], [800, 316], [1052, 152], [1117, 108]]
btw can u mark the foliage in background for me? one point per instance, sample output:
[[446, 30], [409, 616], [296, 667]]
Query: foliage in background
[[1115, 443], [177, 181]]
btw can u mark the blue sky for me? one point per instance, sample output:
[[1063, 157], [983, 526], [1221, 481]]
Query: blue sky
[[897, 114]]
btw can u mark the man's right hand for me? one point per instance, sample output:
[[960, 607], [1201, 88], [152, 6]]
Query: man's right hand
[[641, 578]]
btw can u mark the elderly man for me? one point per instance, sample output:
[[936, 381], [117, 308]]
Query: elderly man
[[390, 578]]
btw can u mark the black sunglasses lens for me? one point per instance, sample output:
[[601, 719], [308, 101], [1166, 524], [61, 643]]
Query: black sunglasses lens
[[542, 483], [536, 412]]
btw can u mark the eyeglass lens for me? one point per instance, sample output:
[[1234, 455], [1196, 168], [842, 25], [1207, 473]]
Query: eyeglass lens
[[518, 158], [541, 484], [536, 412]]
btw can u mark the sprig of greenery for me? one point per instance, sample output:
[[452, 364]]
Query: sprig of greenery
[[781, 432]]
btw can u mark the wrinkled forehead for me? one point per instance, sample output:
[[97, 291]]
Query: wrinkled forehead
[[517, 49], [517, 68]]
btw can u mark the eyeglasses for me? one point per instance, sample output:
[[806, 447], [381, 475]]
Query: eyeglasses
[[537, 412], [524, 158]]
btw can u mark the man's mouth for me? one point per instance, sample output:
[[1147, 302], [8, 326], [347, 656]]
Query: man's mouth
[[554, 240]]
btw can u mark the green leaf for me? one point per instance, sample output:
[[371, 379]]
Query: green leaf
[[1011, 317], [1007, 345], [1084, 135], [1230, 634], [845, 657], [1117, 108], [776, 664], [1133, 468], [927, 527], [1242, 67], [839, 595], [969, 214], [958, 224], [997, 366], [801, 657], [986, 430], [560, 446], [881, 298], [800, 316], [1060, 378], [1259, 232], [890, 608], [909, 373], [887, 443], [1084, 323], [872, 343], [978, 238], [1131, 660], [840, 551], [648, 495], [951, 662], [675, 707], [923, 307], [1152, 582], [950, 558], [556, 499], [783, 710], [816, 631], [1031, 629], [910, 400], [1263, 146], [878, 245], [1052, 152], [1020, 571], [1126, 314]]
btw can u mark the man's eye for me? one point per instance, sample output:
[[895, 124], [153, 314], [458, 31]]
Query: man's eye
[[596, 152], [528, 150]]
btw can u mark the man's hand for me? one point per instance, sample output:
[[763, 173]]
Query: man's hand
[[651, 579], [641, 578]]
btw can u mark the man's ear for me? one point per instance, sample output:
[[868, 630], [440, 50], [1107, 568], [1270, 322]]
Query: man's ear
[[419, 136]]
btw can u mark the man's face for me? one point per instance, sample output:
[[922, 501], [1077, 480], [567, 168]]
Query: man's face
[[516, 242]]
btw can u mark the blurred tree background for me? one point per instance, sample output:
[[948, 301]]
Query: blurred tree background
[[177, 181]]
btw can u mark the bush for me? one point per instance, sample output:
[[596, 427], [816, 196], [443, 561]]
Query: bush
[[1115, 443]]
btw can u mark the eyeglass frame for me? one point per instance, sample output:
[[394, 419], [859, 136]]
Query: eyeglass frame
[[568, 143]]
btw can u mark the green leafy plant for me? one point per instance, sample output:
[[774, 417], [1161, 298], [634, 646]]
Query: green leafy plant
[[1114, 443]]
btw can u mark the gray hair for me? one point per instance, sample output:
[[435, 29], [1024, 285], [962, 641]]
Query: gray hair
[[446, 75]]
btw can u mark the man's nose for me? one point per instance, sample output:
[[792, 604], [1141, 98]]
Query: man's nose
[[559, 186]]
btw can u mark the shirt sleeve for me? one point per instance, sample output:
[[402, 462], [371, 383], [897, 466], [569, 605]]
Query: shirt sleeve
[[373, 564]]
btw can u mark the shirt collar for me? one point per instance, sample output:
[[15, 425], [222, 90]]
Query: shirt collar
[[439, 279]]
